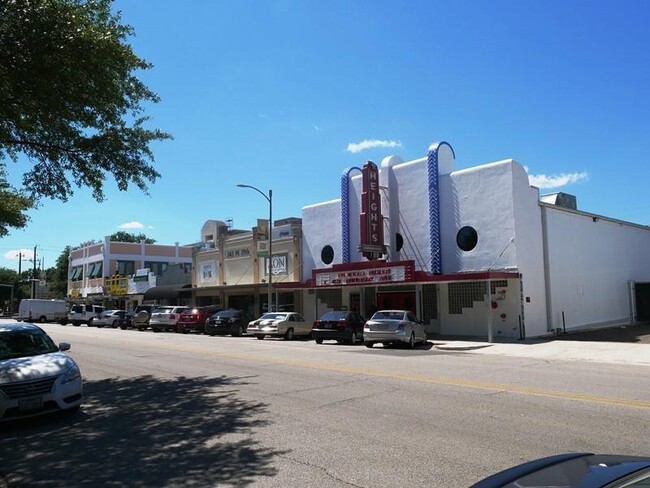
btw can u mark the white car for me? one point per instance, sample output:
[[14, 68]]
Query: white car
[[280, 324], [165, 318], [110, 318], [394, 326], [36, 377]]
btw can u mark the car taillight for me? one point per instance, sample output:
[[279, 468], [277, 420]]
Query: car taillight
[[341, 324], [316, 324], [401, 326], [172, 316]]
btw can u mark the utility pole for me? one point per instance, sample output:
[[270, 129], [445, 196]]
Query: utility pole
[[34, 275]]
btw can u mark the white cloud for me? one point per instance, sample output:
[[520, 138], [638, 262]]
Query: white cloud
[[316, 128], [27, 253], [556, 181], [355, 147], [263, 116], [131, 225]]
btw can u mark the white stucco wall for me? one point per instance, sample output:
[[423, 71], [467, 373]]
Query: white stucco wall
[[592, 259], [321, 225]]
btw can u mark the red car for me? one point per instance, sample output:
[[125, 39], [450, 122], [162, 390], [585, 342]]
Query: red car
[[194, 318]]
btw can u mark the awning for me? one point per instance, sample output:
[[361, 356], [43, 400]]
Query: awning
[[167, 292]]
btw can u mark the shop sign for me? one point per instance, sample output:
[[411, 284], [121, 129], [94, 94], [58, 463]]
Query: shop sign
[[371, 221], [243, 252], [207, 271], [279, 265], [362, 276]]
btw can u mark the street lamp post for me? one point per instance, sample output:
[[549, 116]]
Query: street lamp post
[[269, 198]]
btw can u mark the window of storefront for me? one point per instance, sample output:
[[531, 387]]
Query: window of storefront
[[125, 267], [157, 268]]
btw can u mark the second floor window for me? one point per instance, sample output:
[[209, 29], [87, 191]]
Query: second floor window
[[125, 267]]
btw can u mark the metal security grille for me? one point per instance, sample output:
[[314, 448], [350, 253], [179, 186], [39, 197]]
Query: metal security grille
[[464, 294], [429, 302], [331, 298]]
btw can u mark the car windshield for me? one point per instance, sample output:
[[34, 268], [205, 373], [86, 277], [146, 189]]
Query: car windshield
[[388, 315], [164, 310], [108, 313], [334, 316], [21, 343], [273, 316], [226, 313]]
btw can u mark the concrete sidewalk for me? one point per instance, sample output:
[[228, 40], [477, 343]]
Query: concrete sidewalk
[[565, 350]]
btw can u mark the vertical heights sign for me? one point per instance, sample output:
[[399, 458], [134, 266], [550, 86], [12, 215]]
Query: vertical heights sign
[[371, 221]]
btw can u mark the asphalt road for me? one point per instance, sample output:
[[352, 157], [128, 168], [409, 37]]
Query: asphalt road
[[184, 410]]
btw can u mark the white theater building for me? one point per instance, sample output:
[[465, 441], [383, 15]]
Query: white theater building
[[473, 252]]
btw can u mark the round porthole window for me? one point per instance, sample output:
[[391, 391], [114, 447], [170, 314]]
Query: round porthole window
[[399, 242], [467, 238], [327, 255]]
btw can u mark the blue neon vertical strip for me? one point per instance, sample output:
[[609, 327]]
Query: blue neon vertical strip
[[345, 214], [434, 209]]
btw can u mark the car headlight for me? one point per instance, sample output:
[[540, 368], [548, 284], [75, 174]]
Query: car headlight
[[72, 374]]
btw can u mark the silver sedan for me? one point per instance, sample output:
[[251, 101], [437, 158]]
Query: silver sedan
[[394, 326]]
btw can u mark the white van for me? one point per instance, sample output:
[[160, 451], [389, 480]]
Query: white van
[[37, 310], [84, 314]]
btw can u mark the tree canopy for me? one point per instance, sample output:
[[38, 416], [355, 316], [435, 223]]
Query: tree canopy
[[71, 105], [122, 236]]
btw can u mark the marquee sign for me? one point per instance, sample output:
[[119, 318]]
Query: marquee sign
[[371, 220], [369, 276]]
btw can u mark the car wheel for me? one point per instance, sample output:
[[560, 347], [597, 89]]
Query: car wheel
[[42, 319], [155, 329], [288, 336], [76, 324], [123, 327], [412, 340], [114, 324], [369, 344], [90, 322], [259, 336], [319, 341]]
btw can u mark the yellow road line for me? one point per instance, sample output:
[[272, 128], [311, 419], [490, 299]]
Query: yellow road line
[[438, 380]]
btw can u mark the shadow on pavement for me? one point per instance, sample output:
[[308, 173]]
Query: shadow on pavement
[[639, 334], [143, 432]]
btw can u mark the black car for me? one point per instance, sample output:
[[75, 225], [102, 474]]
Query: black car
[[574, 470], [340, 326], [230, 321]]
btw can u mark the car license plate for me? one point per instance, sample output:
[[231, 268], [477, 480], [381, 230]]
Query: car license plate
[[30, 404], [217, 322]]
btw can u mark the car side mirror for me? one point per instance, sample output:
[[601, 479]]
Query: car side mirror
[[64, 346]]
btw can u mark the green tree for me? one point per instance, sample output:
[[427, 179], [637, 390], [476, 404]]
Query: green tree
[[122, 236], [13, 205], [57, 276], [71, 106]]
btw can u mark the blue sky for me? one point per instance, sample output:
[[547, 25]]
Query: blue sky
[[286, 94]]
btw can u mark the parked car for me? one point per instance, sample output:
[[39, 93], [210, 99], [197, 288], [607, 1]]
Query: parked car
[[142, 316], [340, 326], [36, 377], [231, 321], [280, 324], [574, 470], [166, 317], [194, 318], [111, 318], [84, 313], [394, 326]]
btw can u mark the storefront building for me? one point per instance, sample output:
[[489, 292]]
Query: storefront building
[[121, 272], [474, 252], [231, 266]]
